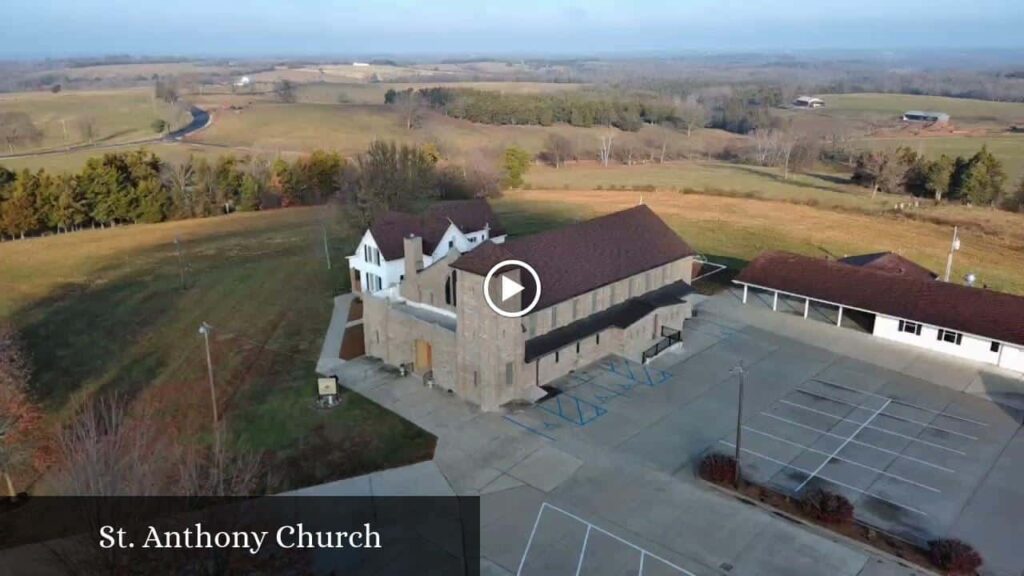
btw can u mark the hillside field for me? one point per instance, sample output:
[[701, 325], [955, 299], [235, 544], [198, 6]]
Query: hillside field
[[116, 115], [738, 229], [104, 311]]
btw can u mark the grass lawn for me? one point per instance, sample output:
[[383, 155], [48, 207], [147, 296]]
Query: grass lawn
[[1008, 148], [117, 115], [103, 311], [964, 112], [75, 160], [719, 178], [739, 229]]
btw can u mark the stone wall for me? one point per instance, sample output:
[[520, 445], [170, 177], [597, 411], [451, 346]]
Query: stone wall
[[391, 335]]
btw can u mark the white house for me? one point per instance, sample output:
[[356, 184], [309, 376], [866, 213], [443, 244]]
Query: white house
[[460, 225], [900, 303]]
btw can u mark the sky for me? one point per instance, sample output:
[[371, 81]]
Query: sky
[[253, 28]]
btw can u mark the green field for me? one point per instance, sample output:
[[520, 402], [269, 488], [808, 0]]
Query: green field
[[116, 116], [104, 311], [1008, 148], [963, 112]]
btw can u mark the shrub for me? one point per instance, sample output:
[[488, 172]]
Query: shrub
[[718, 468], [827, 507], [954, 557]]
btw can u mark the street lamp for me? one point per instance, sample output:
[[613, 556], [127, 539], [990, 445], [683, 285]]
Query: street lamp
[[205, 330], [970, 279], [741, 372], [953, 248]]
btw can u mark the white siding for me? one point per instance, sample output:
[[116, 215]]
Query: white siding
[[1012, 358], [970, 347]]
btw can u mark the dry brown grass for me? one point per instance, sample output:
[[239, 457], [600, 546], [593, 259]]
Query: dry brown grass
[[742, 228]]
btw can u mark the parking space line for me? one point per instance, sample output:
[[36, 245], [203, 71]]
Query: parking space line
[[843, 445], [842, 459], [892, 416], [901, 402], [860, 443], [911, 438], [826, 478]]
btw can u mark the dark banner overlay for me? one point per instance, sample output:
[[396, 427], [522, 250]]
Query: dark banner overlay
[[344, 536]]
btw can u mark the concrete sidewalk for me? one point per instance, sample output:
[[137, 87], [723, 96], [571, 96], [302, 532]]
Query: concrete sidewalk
[[330, 360]]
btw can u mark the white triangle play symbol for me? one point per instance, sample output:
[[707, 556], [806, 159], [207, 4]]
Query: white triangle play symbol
[[509, 288]]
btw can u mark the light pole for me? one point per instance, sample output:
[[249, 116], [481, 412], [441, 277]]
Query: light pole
[[205, 330], [741, 372], [327, 250], [954, 247]]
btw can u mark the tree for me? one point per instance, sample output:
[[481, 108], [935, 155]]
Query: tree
[[284, 90], [557, 150], [938, 175], [86, 128], [606, 146], [691, 114], [158, 125], [980, 180], [881, 170], [390, 177], [180, 182], [514, 163], [21, 434], [17, 129], [1016, 202]]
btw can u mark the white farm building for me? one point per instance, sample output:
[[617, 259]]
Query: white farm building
[[898, 300]]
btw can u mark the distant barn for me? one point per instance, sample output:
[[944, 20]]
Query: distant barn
[[808, 102], [926, 117]]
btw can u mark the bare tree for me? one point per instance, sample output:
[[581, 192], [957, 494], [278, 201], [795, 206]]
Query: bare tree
[[557, 149], [105, 452], [691, 113], [20, 419], [17, 129], [218, 471], [86, 128], [410, 105], [607, 138]]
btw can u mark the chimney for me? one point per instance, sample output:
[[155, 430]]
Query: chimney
[[412, 248]]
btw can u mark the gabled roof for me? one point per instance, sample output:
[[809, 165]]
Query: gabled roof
[[892, 263], [581, 257], [390, 228], [976, 311]]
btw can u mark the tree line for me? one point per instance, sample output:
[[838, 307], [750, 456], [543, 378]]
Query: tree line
[[139, 187], [979, 180], [628, 113]]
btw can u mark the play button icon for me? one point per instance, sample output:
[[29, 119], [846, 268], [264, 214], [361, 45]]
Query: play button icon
[[509, 288], [519, 281]]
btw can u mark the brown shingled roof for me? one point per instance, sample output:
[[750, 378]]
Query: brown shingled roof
[[976, 311], [390, 228], [892, 263], [581, 257]]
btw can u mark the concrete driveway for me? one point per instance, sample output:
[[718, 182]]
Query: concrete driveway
[[616, 453]]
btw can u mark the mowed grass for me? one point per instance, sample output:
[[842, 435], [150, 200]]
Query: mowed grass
[[117, 116], [718, 178], [964, 112], [742, 228], [349, 129], [1008, 148], [75, 160], [103, 311]]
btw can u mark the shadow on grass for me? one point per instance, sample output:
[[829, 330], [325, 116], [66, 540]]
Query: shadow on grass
[[792, 182]]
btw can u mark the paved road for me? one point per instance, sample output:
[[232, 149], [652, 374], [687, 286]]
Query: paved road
[[201, 119]]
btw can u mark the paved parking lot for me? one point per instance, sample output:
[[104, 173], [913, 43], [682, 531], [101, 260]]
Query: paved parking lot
[[899, 432]]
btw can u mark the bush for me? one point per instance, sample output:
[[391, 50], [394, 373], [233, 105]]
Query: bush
[[158, 125], [827, 507], [954, 557], [718, 468]]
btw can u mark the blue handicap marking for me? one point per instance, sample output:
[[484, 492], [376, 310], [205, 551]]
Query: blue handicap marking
[[573, 409]]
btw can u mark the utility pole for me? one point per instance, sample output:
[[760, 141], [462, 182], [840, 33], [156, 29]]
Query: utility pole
[[741, 372], [327, 251], [205, 330], [953, 247], [181, 262]]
